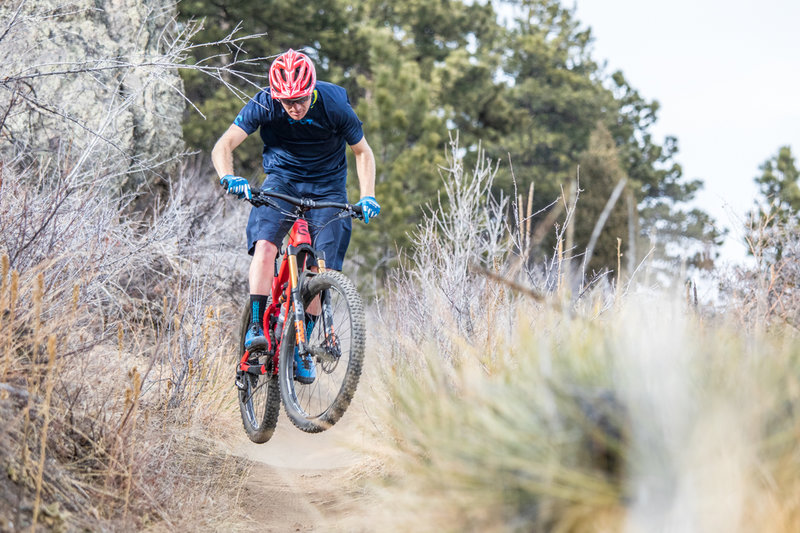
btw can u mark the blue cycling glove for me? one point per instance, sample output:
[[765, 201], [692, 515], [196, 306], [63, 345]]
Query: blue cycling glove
[[236, 185], [369, 208]]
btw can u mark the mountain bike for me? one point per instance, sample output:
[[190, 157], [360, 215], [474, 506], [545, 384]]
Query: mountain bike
[[302, 290]]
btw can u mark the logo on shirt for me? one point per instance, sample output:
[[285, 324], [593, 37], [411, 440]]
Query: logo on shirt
[[301, 121]]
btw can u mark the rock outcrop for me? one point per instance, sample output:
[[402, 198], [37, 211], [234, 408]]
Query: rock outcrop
[[96, 78]]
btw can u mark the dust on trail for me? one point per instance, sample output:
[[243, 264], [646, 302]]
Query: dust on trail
[[303, 481]]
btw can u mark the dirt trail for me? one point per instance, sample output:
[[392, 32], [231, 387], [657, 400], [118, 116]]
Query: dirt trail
[[302, 481]]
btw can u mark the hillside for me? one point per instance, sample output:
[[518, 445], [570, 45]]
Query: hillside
[[507, 386]]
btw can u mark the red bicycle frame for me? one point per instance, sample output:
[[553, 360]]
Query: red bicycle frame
[[285, 291]]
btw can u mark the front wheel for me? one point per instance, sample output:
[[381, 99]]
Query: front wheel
[[259, 399], [336, 345]]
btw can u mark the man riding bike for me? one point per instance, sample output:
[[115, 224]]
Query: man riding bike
[[304, 156]]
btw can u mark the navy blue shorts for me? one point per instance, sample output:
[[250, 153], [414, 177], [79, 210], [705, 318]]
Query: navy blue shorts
[[329, 234]]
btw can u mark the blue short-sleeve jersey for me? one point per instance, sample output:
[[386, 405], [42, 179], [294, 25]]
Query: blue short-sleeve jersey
[[308, 150]]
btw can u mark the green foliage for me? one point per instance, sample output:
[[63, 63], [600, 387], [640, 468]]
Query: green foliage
[[600, 171], [406, 137], [558, 96], [557, 99], [435, 29], [775, 212], [779, 187], [528, 91]]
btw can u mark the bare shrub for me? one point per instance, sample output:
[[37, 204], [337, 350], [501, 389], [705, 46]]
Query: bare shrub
[[457, 291], [765, 293], [436, 291], [138, 315]]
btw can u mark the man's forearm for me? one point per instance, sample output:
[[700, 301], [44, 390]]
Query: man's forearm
[[222, 158], [222, 153], [365, 169]]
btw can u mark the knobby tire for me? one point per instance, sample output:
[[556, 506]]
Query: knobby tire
[[317, 406]]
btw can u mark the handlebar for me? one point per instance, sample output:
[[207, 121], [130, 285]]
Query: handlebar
[[262, 197]]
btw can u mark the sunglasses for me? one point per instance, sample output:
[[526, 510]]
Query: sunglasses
[[293, 101]]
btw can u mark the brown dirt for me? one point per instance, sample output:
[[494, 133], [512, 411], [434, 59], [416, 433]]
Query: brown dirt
[[304, 482]]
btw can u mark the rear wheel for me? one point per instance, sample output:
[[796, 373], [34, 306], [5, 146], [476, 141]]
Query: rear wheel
[[259, 398], [337, 350]]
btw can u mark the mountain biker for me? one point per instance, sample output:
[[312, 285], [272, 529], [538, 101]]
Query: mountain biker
[[304, 124]]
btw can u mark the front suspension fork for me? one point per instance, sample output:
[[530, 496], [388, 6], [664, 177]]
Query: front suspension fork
[[299, 309], [327, 318]]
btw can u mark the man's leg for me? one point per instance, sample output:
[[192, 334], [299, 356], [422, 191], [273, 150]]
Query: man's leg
[[262, 270], [262, 267]]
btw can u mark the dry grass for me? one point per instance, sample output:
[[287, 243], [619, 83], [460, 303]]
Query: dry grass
[[647, 419]]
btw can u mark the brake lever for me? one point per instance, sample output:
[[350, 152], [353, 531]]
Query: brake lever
[[350, 212], [259, 200]]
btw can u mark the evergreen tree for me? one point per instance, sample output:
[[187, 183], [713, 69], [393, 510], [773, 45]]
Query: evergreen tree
[[779, 187], [410, 54], [406, 135], [420, 71], [678, 233], [600, 172], [776, 211], [560, 96]]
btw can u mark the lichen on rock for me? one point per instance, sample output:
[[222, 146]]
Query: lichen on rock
[[96, 78]]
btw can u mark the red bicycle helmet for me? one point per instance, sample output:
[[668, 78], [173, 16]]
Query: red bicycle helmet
[[292, 75]]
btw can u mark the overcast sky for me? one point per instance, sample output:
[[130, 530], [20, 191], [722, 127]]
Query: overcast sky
[[727, 76]]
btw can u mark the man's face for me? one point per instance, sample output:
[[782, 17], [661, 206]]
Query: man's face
[[296, 107]]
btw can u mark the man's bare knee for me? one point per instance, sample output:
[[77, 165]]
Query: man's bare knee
[[265, 252]]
